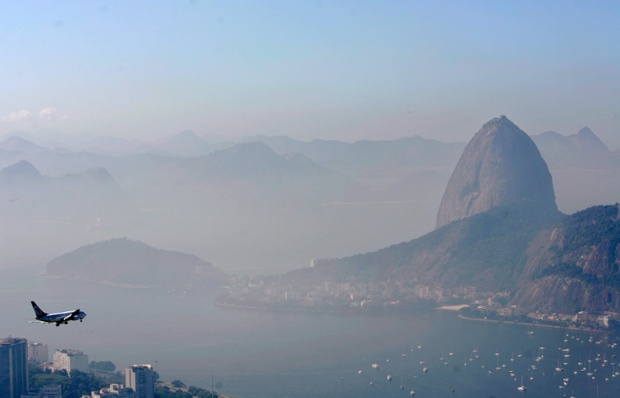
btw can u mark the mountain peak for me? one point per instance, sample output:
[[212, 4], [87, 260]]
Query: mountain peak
[[249, 158], [499, 166], [587, 139], [20, 170], [586, 132]]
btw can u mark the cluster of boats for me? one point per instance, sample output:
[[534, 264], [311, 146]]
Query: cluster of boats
[[578, 364]]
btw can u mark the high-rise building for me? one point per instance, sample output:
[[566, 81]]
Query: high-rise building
[[70, 360], [13, 367], [141, 378], [37, 352]]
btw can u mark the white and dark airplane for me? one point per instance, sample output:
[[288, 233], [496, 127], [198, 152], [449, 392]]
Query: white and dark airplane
[[57, 317]]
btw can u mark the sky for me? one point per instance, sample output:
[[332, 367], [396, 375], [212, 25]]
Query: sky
[[344, 70]]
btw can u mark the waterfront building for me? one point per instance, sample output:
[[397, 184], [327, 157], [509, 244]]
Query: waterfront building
[[37, 352], [13, 367], [70, 360], [141, 378]]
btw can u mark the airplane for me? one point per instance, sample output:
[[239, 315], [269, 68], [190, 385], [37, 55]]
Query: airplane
[[58, 317]]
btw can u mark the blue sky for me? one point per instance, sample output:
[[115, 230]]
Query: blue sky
[[344, 70]]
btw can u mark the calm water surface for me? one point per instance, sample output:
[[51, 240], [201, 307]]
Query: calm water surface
[[256, 354]]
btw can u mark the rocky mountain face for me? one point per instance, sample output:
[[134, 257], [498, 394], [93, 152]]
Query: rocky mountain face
[[499, 166], [574, 265]]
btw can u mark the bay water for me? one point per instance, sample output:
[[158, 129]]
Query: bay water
[[256, 354]]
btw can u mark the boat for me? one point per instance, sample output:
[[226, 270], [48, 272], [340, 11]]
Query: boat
[[521, 387], [389, 377]]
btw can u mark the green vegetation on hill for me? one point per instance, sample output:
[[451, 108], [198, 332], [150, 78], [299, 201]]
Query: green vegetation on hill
[[135, 264], [487, 250], [590, 249], [593, 226], [73, 386]]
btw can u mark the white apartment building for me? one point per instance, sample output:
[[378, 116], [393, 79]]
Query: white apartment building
[[70, 360]]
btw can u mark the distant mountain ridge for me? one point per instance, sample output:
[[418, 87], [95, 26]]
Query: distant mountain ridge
[[573, 150], [369, 160], [18, 144], [87, 196], [323, 197]]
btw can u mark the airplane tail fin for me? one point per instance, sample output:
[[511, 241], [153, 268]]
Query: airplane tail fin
[[38, 311]]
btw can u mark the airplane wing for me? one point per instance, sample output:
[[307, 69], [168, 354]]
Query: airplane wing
[[72, 315]]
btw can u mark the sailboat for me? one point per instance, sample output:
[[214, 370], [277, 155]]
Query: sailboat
[[521, 387]]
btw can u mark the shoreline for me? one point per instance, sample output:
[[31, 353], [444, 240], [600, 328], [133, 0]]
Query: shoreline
[[538, 325]]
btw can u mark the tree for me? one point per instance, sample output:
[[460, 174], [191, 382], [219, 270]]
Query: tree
[[102, 366]]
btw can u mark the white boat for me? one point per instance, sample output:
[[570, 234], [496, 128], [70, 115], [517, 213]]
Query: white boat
[[521, 387]]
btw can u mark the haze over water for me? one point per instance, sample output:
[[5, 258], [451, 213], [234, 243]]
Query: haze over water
[[260, 354]]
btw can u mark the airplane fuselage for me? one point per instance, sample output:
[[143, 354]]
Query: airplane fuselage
[[61, 316], [57, 317]]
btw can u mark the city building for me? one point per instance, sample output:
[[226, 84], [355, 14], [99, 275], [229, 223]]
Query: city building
[[70, 360], [37, 352], [114, 391], [141, 378], [13, 367], [53, 391]]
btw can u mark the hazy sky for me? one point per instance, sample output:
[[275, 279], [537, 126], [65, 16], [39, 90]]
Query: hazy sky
[[310, 69]]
